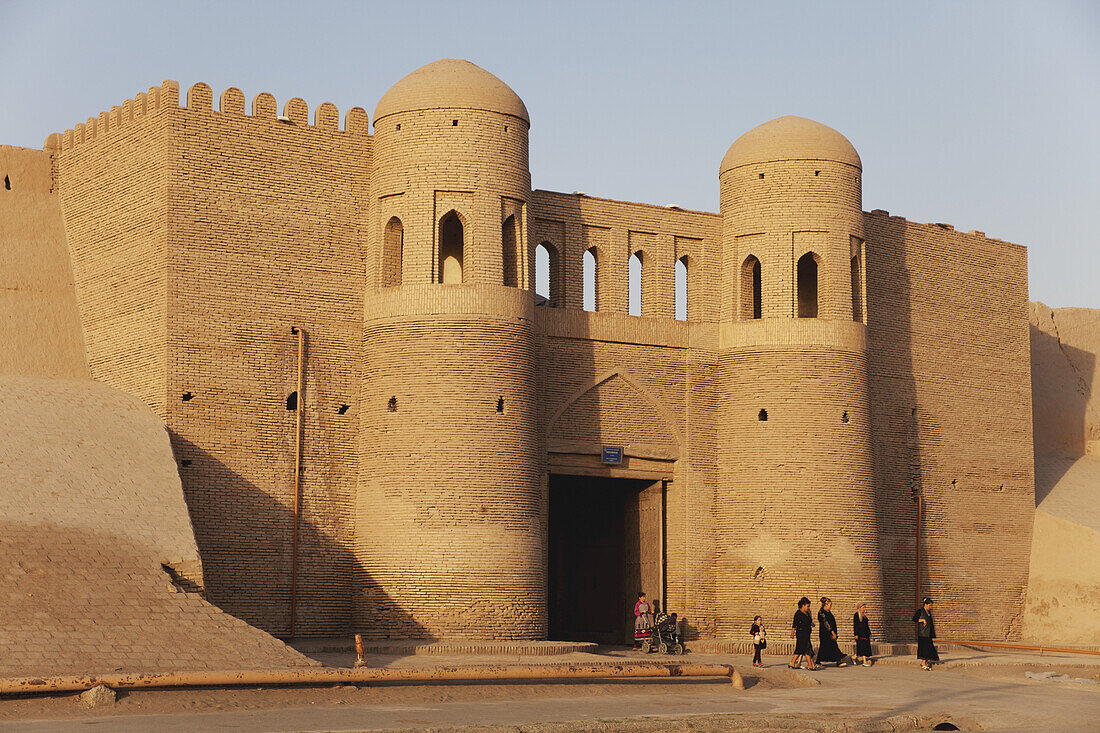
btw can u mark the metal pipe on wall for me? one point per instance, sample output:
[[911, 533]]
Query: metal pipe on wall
[[297, 478], [331, 675], [920, 508]]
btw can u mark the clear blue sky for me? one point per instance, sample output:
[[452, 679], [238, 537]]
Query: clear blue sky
[[985, 115]]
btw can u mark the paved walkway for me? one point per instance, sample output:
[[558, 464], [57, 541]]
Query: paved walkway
[[975, 691]]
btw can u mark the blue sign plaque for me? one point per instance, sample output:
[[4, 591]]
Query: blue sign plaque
[[612, 454]]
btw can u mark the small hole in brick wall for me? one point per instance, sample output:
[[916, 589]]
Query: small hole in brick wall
[[759, 570], [761, 176], [844, 417], [762, 416], [817, 173], [399, 127], [392, 404], [500, 404], [454, 123], [506, 128], [187, 397], [344, 407], [185, 462], [292, 401], [7, 183]]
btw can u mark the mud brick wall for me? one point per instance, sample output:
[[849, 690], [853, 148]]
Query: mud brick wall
[[111, 176], [93, 516], [950, 387], [43, 333], [266, 234]]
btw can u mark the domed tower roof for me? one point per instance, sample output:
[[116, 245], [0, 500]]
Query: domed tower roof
[[790, 138], [451, 84]]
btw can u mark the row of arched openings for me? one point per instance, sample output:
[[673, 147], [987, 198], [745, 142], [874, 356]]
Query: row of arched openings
[[806, 287], [642, 289], [449, 268]]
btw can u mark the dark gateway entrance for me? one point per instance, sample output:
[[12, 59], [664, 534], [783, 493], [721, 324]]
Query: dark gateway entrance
[[605, 546]]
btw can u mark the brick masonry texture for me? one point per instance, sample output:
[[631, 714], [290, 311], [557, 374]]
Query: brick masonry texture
[[434, 414]]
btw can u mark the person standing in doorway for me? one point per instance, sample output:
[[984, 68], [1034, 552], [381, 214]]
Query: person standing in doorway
[[861, 629], [801, 628], [759, 640], [926, 635], [643, 621], [828, 650]]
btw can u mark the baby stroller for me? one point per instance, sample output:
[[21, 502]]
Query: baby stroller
[[665, 637]]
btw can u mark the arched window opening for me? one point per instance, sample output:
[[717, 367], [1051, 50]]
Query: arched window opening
[[450, 249], [751, 292], [680, 309], [807, 285], [635, 268], [393, 242], [590, 278], [857, 291], [547, 276], [510, 252]]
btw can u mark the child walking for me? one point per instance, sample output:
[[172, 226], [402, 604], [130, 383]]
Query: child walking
[[759, 640]]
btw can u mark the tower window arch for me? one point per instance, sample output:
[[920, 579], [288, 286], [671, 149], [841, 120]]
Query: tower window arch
[[590, 276], [807, 285], [751, 289], [635, 277], [509, 238], [548, 274], [393, 242], [681, 287], [451, 242], [857, 290]]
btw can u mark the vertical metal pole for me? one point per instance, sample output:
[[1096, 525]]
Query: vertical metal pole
[[664, 595], [297, 480], [920, 507]]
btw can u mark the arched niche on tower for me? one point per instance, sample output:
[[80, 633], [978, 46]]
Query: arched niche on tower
[[751, 289], [806, 276], [452, 268], [393, 241]]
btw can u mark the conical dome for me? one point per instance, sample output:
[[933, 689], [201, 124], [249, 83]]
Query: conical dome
[[451, 84], [790, 138]]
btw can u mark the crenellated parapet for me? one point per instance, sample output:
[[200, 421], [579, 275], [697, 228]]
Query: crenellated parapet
[[144, 104], [200, 97], [326, 116]]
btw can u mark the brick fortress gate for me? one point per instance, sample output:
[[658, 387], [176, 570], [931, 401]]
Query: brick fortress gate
[[829, 365]]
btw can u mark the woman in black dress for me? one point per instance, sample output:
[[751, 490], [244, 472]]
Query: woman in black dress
[[800, 631], [926, 633], [861, 629], [828, 650]]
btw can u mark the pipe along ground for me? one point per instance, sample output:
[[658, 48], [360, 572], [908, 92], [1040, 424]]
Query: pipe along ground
[[331, 675]]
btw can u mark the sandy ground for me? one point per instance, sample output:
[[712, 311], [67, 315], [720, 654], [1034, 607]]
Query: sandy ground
[[973, 690]]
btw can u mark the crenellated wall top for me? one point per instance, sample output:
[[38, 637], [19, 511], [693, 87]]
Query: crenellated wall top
[[200, 97]]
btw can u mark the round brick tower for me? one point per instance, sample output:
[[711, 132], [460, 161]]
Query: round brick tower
[[450, 513], [795, 503]]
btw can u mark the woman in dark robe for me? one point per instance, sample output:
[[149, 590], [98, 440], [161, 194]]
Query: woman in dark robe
[[828, 650], [926, 633], [801, 628], [861, 629]]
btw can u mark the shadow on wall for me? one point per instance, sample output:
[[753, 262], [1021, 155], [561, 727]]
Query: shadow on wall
[[895, 429], [247, 566], [1060, 394]]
